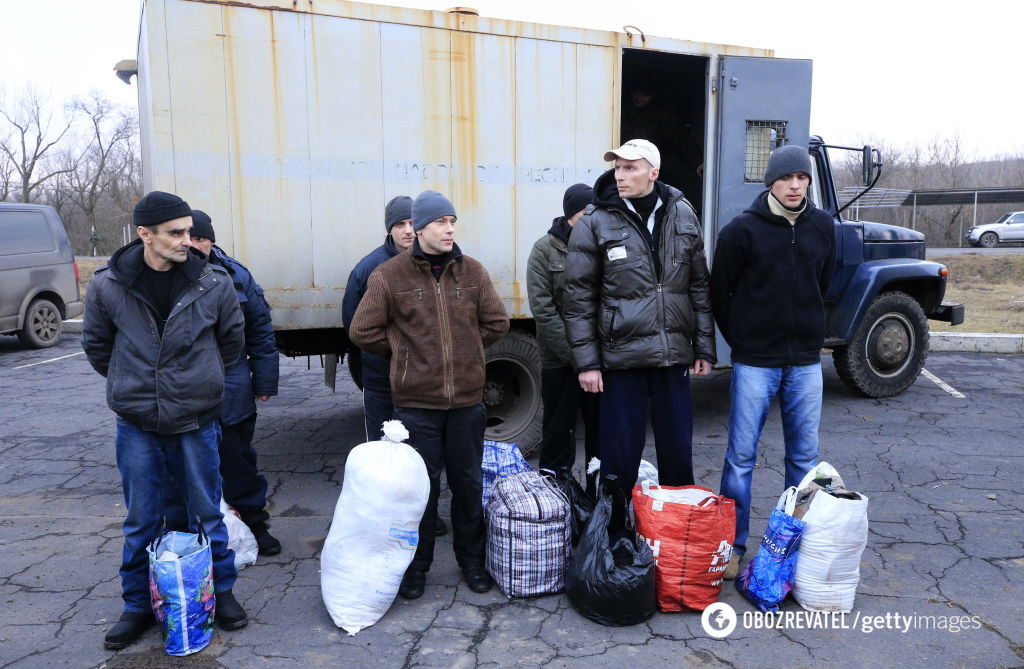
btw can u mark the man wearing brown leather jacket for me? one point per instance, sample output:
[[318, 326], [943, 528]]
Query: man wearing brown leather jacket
[[638, 314], [432, 312]]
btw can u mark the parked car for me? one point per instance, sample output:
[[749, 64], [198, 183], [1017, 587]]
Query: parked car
[[38, 274], [1009, 228]]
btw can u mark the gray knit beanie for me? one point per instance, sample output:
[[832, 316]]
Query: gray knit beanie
[[787, 160], [397, 210], [430, 206]]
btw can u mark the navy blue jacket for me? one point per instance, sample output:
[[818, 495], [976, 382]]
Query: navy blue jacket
[[257, 370], [356, 286], [768, 283]]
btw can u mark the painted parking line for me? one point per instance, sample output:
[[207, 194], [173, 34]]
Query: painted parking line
[[43, 362], [942, 384]]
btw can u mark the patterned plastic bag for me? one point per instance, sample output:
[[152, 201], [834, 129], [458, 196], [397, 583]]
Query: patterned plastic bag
[[500, 458], [181, 590], [768, 578]]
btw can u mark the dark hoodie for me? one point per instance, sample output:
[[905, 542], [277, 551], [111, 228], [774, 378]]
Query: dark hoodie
[[171, 381], [769, 283]]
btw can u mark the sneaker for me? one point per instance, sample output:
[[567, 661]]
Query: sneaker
[[440, 529], [413, 583], [733, 568], [229, 613], [127, 630], [478, 579], [267, 544]]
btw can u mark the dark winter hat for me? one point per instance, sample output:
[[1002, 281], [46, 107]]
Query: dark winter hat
[[202, 225], [397, 210], [159, 207], [576, 198], [787, 160], [430, 206]]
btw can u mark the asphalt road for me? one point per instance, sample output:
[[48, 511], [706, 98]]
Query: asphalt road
[[946, 544]]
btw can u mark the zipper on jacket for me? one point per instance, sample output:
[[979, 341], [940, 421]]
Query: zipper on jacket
[[792, 282], [661, 319], [446, 355]]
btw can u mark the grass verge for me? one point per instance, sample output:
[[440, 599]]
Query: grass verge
[[991, 286]]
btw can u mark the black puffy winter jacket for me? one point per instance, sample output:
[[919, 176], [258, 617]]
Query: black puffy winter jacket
[[619, 313]]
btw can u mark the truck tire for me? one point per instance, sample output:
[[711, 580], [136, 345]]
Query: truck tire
[[888, 348], [42, 324], [512, 391], [989, 240]]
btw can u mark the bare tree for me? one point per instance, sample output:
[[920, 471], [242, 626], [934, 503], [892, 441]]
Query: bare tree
[[31, 134]]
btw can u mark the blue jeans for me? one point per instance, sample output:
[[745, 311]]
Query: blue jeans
[[145, 459], [751, 393]]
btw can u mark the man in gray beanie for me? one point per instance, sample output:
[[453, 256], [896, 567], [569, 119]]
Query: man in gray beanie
[[771, 272], [432, 311], [162, 325]]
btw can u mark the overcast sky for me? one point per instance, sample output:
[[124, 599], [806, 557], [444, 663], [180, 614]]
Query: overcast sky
[[890, 70]]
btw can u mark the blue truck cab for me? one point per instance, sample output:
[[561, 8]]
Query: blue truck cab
[[882, 294]]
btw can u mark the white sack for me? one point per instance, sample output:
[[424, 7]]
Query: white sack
[[375, 530], [240, 537], [828, 565]]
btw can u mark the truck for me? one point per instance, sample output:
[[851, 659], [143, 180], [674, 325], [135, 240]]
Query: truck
[[292, 122]]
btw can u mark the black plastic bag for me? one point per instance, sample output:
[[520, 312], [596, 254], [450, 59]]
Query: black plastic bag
[[581, 505], [610, 577]]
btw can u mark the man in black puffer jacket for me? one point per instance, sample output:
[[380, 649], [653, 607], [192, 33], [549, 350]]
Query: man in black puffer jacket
[[773, 264], [638, 313]]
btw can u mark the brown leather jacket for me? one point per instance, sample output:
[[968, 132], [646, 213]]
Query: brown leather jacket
[[434, 332]]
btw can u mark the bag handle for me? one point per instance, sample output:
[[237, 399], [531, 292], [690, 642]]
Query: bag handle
[[787, 501], [822, 468]]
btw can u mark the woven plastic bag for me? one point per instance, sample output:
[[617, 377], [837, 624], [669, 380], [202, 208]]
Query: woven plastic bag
[[181, 590], [768, 578], [500, 458], [690, 530], [528, 535], [375, 530]]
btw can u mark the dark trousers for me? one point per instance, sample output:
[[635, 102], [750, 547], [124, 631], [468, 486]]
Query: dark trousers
[[452, 440], [563, 402], [377, 406], [244, 488], [628, 393]]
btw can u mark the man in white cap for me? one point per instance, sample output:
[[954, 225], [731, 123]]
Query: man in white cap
[[638, 313]]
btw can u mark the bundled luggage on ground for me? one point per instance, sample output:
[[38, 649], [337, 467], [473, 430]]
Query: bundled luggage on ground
[[500, 458], [181, 590], [610, 577], [528, 535], [690, 530], [835, 534], [768, 577], [375, 530]]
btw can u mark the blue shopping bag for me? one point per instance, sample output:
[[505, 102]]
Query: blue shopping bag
[[768, 578], [181, 590], [500, 458]]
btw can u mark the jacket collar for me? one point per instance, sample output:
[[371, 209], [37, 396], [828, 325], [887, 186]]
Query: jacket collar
[[606, 195], [418, 255], [760, 208], [560, 229]]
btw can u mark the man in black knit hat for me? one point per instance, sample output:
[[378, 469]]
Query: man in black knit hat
[[162, 324], [772, 268], [638, 314], [560, 390]]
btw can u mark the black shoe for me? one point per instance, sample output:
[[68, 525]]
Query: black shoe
[[440, 529], [229, 613], [413, 584], [477, 579], [268, 545], [129, 627]]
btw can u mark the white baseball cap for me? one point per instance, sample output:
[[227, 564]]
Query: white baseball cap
[[635, 149]]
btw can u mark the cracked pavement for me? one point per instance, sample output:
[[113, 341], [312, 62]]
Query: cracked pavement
[[946, 535]]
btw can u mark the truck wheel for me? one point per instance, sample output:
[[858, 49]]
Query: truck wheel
[[42, 325], [512, 391], [888, 349], [989, 240]]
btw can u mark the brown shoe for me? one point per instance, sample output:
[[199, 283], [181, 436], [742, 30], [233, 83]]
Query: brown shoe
[[733, 569]]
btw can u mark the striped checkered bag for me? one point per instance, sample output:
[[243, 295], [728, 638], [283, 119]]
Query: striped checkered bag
[[528, 535]]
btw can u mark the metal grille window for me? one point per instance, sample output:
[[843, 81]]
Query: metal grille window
[[763, 137]]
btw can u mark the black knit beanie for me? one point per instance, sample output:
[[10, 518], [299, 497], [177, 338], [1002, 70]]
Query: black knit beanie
[[576, 198], [789, 159], [397, 210], [159, 207], [202, 225]]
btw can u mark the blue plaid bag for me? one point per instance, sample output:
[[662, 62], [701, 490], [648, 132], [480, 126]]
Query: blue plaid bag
[[181, 590], [500, 458], [768, 578]]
